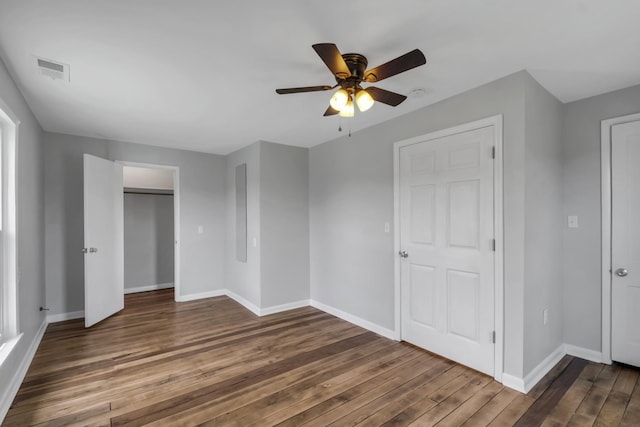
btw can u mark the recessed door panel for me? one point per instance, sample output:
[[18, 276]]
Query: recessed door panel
[[423, 213], [462, 304], [423, 294], [463, 214]]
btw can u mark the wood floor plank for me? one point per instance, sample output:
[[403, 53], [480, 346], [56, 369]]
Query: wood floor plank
[[513, 411], [616, 403], [348, 403], [593, 402], [260, 402], [554, 391], [212, 362], [472, 405], [566, 407], [431, 391], [445, 407], [485, 415]]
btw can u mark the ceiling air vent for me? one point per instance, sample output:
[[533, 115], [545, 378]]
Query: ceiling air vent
[[52, 69]]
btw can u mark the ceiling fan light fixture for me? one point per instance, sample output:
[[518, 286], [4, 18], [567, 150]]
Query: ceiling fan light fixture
[[364, 100], [339, 99], [347, 110]]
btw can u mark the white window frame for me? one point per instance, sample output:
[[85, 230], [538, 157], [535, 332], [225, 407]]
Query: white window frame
[[9, 327]]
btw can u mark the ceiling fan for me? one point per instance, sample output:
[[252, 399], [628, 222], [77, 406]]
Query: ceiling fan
[[349, 71]]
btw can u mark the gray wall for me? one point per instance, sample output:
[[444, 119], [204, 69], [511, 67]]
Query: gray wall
[[148, 240], [243, 278], [30, 221], [582, 303], [277, 268], [284, 224], [202, 202], [351, 196], [543, 224]]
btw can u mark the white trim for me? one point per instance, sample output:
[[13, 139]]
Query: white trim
[[583, 353], [14, 383], [243, 301], [61, 317], [148, 288], [284, 307], [524, 385], [537, 373], [513, 382], [201, 295], [358, 321], [9, 287], [387, 333], [605, 186], [176, 220], [498, 224], [7, 346]]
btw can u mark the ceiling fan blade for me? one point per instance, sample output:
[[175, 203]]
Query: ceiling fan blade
[[303, 89], [385, 96], [331, 111], [403, 63], [331, 56]]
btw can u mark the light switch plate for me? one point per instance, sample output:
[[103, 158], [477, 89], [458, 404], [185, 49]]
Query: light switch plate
[[572, 221]]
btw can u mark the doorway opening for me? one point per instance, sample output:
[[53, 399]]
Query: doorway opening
[[151, 228]]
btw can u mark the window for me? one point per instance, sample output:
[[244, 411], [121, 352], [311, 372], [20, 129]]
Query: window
[[8, 274]]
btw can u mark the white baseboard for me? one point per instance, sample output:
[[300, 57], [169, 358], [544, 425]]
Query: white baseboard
[[202, 295], [283, 307], [583, 353], [543, 368], [524, 385], [61, 317], [15, 382], [513, 382], [387, 333], [245, 302], [148, 288]]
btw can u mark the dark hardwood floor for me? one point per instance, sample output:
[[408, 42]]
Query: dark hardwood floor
[[211, 362]]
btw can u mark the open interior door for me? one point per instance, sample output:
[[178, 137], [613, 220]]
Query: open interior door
[[103, 239]]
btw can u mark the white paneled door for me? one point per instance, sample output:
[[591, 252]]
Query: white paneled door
[[625, 243], [103, 239], [447, 247]]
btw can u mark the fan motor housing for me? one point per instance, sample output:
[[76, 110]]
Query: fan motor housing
[[357, 66]]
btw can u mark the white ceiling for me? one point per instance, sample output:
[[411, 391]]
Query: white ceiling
[[201, 74]]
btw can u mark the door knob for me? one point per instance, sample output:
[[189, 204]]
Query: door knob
[[622, 272], [403, 254], [93, 250]]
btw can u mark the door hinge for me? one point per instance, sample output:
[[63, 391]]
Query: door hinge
[[493, 337], [493, 245], [493, 152]]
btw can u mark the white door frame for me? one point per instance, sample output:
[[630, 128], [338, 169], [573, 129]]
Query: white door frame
[[496, 122], [176, 218], [605, 170]]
